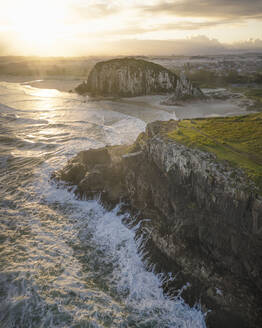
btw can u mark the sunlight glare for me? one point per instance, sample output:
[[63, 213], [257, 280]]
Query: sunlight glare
[[39, 22]]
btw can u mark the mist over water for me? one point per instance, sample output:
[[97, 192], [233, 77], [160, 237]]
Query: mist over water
[[65, 262]]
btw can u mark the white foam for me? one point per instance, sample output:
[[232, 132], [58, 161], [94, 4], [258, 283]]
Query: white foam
[[57, 220], [139, 289]]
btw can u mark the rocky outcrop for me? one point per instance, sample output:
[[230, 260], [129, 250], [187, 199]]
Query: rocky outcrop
[[205, 217], [185, 91], [129, 77]]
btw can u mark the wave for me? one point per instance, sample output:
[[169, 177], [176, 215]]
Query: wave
[[116, 262], [7, 109], [66, 262]]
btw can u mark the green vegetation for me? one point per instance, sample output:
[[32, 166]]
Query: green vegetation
[[133, 65], [82, 88], [237, 140], [206, 78], [211, 79], [255, 94]]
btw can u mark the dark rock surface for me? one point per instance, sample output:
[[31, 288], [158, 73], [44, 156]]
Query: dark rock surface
[[204, 222], [128, 77], [185, 91]]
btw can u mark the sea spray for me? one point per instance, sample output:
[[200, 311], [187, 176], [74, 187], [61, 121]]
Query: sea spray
[[66, 262]]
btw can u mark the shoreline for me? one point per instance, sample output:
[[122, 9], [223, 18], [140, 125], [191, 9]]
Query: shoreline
[[196, 204], [141, 107], [58, 83]]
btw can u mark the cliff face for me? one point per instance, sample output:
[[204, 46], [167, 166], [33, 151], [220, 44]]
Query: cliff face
[[205, 215], [184, 91], [129, 77]]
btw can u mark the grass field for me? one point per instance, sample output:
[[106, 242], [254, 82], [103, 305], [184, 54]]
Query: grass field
[[255, 94], [237, 140]]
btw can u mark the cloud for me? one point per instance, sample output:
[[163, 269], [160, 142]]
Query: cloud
[[182, 25], [251, 44], [235, 9], [192, 46], [145, 16], [198, 45], [95, 9], [93, 24]]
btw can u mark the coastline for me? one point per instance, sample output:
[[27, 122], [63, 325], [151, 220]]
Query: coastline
[[146, 108], [203, 210], [58, 83]]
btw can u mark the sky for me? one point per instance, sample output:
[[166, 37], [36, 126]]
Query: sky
[[128, 27]]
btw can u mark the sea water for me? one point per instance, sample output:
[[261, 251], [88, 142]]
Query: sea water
[[66, 262]]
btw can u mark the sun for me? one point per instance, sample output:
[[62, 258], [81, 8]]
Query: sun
[[39, 23]]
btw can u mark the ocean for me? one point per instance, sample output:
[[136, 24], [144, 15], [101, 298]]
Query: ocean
[[66, 262]]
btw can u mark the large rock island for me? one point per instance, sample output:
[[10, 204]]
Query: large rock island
[[200, 184], [130, 77]]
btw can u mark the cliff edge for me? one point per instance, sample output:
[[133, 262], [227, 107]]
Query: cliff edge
[[199, 183]]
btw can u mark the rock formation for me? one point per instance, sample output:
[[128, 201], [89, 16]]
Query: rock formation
[[205, 217], [184, 91], [129, 77]]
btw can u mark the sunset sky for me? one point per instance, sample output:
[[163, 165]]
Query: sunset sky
[[89, 27]]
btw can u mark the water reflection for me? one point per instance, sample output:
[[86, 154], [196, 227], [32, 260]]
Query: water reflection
[[46, 93], [68, 263]]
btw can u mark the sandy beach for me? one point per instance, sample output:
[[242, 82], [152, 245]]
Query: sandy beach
[[146, 108]]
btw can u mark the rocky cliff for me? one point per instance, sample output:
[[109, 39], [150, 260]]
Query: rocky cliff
[[205, 214], [185, 91], [129, 77]]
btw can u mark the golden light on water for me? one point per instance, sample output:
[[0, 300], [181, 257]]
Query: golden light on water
[[45, 93]]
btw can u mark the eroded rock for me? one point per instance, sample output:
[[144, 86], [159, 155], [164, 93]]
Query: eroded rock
[[185, 91], [205, 217], [129, 77]]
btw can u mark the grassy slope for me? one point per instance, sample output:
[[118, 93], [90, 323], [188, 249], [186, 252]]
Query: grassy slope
[[255, 94], [235, 139]]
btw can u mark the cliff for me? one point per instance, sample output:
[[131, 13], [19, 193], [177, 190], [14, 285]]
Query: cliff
[[204, 202], [185, 91], [129, 77]]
